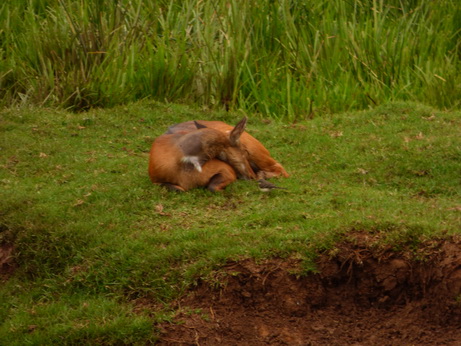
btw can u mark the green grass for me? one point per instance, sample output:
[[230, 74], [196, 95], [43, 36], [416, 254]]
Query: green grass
[[283, 59], [93, 236], [74, 320]]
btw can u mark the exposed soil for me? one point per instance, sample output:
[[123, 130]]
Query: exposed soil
[[363, 294]]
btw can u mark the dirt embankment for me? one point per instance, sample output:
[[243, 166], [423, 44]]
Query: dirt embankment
[[361, 295]]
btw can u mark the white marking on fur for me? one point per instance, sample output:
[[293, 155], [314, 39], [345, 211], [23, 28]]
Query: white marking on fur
[[194, 161]]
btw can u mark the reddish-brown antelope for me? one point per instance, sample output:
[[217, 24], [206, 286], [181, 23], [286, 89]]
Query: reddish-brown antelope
[[260, 159], [199, 156]]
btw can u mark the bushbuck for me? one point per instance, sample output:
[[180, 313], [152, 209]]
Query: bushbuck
[[259, 157], [199, 156]]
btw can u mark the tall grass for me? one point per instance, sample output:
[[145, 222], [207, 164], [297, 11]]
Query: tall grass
[[284, 59]]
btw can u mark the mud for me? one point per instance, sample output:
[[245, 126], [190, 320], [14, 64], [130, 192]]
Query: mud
[[362, 294]]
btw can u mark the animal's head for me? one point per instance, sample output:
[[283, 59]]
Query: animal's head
[[234, 153]]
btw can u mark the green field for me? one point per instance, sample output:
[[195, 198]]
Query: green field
[[92, 235], [359, 100]]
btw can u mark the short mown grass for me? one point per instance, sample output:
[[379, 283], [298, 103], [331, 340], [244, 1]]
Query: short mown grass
[[92, 236]]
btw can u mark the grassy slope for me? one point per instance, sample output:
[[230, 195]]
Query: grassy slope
[[92, 234]]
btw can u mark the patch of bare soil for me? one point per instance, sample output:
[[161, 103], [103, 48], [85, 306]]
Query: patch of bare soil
[[362, 295]]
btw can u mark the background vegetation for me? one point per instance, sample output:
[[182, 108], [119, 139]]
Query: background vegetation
[[100, 251], [284, 59]]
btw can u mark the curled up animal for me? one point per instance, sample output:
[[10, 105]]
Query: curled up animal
[[209, 154]]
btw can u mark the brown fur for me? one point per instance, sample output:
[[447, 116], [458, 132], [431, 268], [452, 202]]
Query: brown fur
[[260, 159], [167, 167]]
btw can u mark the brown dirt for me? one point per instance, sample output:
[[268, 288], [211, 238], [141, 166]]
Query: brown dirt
[[363, 294]]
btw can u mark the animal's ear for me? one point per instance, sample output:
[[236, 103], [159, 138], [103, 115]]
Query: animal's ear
[[191, 143], [237, 131], [191, 162], [191, 146], [199, 126]]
